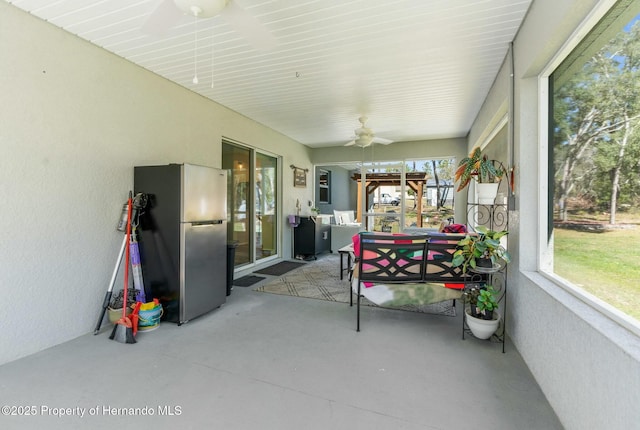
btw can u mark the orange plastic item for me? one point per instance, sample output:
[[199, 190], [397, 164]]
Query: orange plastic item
[[133, 316]]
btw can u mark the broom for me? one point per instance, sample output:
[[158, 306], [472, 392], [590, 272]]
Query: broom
[[123, 328]]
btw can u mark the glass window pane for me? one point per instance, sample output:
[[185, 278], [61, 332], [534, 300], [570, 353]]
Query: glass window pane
[[266, 207], [324, 186], [237, 161], [594, 159]]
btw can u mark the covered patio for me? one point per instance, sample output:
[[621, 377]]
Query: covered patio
[[77, 118], [273, 362]]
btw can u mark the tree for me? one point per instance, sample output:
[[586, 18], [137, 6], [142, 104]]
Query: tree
[[437, 180], [596, 116], [619, 64]]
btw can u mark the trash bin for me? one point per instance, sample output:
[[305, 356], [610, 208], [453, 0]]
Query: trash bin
[[231, 256]]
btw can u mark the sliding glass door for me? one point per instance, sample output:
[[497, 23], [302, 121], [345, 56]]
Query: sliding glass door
[[266, 215], [252, 202], [239, 199]]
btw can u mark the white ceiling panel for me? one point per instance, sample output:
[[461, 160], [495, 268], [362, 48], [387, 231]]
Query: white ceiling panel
[[419, 69]]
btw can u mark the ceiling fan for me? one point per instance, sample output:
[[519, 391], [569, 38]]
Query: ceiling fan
[[364, 136], [169, 12]]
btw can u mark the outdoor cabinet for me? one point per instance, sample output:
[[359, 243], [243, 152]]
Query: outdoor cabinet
[[311, 237], [342, 235]]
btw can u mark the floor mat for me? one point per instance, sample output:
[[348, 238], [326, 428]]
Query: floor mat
[[321, 280], [280, 268], [247, 281]]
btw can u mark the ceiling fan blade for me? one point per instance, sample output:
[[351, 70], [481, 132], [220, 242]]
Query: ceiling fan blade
[[249, 27], [381, 140], [353, 142], [165, 16]]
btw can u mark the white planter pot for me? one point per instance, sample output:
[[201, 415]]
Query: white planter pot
[[483, 329], [487, 193]]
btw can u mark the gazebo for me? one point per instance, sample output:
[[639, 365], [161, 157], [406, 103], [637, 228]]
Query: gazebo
[[414, 180]]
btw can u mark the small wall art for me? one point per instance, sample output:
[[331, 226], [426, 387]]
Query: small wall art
[[299, 177]]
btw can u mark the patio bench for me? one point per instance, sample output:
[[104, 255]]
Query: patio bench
[[398, 269]]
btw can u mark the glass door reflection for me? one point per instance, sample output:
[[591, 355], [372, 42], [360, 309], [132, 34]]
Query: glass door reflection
[[239, 228], [266, 243], [251, 202]]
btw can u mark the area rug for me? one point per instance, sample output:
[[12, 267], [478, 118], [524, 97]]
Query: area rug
[[247, 281], [320, 279], [281, 268]]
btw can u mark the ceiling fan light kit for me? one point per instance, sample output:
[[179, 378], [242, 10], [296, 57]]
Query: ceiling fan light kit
[[166, 15], [364, 136], [364, 140]]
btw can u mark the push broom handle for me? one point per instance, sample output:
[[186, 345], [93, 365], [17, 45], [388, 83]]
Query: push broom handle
[[126, 265], [108, 294]]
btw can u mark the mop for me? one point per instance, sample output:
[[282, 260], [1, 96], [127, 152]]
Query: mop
[[123, 328], [139, 203], [136, 269]]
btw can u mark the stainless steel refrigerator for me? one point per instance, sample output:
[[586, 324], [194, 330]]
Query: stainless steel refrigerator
[[182, 237]]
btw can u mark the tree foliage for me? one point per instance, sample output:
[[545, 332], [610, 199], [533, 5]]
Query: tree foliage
[[596, 129]]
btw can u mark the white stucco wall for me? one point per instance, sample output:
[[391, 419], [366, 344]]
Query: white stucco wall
[[74, 120], [587, 365]]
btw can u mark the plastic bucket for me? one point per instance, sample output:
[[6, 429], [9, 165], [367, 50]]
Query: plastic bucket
[[150, 319], [115, 314]]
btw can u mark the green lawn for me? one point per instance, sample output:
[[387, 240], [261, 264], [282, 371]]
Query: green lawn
[[605, 264]]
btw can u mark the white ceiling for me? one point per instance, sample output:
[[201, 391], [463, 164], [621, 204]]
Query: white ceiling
[[419, 69]]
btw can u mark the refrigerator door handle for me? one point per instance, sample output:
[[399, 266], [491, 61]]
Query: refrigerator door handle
[[205, 223]]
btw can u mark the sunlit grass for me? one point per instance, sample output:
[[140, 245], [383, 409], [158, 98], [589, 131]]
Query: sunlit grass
[[605, 264]]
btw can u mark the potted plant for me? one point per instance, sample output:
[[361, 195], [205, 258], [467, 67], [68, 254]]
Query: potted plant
[[482, 250], [487, 302], [470, 296], [485, 323], [479, 167]]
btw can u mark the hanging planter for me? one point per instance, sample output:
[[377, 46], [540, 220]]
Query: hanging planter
[[485, 172], [487, 192]]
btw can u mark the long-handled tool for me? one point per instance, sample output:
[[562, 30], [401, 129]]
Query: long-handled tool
[[136, 268], [123, 329], [109, 293], [140, 201]]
